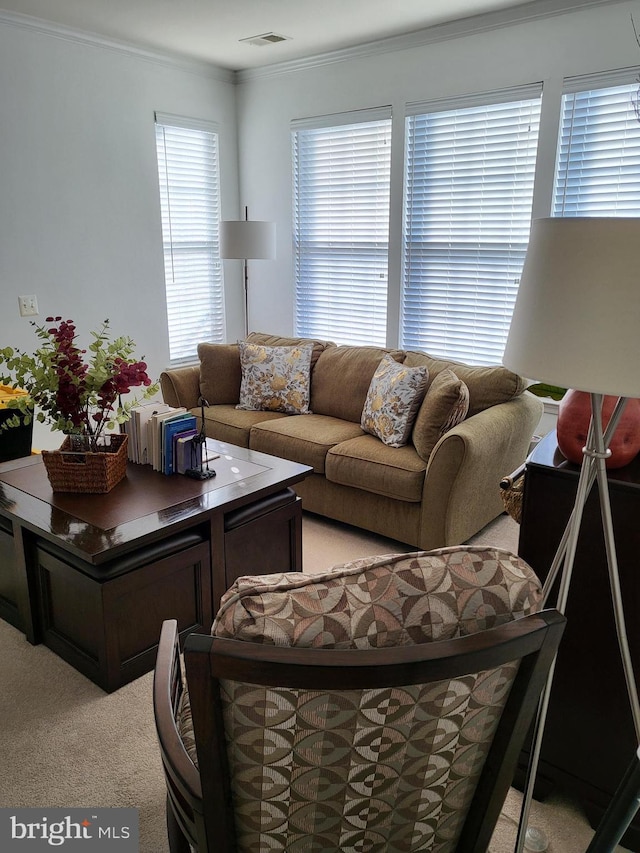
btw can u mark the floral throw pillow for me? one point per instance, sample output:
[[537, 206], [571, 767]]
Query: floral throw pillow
[[393, 400], [275, 379]]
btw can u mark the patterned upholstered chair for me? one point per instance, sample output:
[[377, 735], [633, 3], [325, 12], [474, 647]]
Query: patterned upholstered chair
[[378, 707]]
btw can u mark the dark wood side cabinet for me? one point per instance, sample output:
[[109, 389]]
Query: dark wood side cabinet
[[589, 737]]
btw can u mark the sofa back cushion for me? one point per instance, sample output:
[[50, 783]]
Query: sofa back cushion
[[341, 379], [488, 386], [220, 373], [277, 341]]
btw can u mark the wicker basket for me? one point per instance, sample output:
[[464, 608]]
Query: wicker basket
[[512, 491], [96, 473]]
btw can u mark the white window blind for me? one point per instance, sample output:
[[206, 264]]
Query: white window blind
[[469, 173], [341, 226], [190, 206], [598, 170]]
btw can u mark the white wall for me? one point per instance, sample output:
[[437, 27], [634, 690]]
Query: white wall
[[79, 204], [564, 45], [79, 209]]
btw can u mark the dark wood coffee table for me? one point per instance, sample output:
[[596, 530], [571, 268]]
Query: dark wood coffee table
[[94, 576]]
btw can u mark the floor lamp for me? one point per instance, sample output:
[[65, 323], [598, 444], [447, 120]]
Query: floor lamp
[[247, 240], [576, 324]]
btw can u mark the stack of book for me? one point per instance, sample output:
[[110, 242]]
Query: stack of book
[[162, 436]]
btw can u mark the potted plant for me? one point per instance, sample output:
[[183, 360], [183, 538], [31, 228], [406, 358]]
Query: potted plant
[[78, 392], [541, 389]]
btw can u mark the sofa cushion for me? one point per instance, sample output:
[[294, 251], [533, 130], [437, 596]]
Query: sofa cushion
[[277, 341], [341, 378], [418, 597], [445, 405], [275, 379], [393, 400], [488, 386], [304, 439], [232, 425], [368, 464], [220, 373]]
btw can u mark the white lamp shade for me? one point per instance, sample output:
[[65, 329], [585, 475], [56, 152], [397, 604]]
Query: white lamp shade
[[576, 321], [247, 239]]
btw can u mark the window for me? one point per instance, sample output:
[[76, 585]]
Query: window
[[598, 172], [190, 206], [341, 226], [469, 172]]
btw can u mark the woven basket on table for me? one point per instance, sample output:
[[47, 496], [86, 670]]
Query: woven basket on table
[[97, 473]]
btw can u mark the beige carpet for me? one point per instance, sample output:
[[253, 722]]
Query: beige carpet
[[63, 742], [327, 542]]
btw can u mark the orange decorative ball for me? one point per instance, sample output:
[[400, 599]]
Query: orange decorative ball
[[574, 415]]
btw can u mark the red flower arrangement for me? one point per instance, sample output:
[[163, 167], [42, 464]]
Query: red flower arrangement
[[76, 396]]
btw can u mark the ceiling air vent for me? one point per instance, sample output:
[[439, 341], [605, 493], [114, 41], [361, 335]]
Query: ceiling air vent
[[264, 39]]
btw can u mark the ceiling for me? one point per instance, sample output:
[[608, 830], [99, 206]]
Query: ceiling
[[210, 30]]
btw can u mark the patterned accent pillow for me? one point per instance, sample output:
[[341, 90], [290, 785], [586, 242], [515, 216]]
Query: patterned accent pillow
[[445, 405], [275, 379], [388, 600], [393, 400]]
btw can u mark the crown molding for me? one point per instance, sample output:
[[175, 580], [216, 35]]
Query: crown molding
[[533, 11], [37, 25]]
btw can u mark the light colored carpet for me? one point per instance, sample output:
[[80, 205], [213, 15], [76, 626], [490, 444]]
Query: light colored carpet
[[327, 543], [63, 742]]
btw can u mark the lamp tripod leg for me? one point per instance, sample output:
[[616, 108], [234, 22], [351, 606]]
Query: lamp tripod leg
[[593, 468], [620, 812], [566, 551], [562, 547], [614, 578]]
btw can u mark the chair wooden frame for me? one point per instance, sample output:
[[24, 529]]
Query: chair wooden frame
[[199, 804]]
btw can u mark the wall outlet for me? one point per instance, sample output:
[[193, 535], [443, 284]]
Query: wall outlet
[[28, 306]]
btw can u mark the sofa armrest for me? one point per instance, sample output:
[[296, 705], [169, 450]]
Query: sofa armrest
[[181, 386], [462, 483]]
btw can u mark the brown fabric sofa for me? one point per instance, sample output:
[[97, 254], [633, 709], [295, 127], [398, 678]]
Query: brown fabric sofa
[[433, 492]]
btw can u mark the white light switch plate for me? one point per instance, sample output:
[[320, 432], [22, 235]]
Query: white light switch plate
[[28, 306]]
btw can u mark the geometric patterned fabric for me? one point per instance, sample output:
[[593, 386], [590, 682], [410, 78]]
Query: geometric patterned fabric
[[380, 770]]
